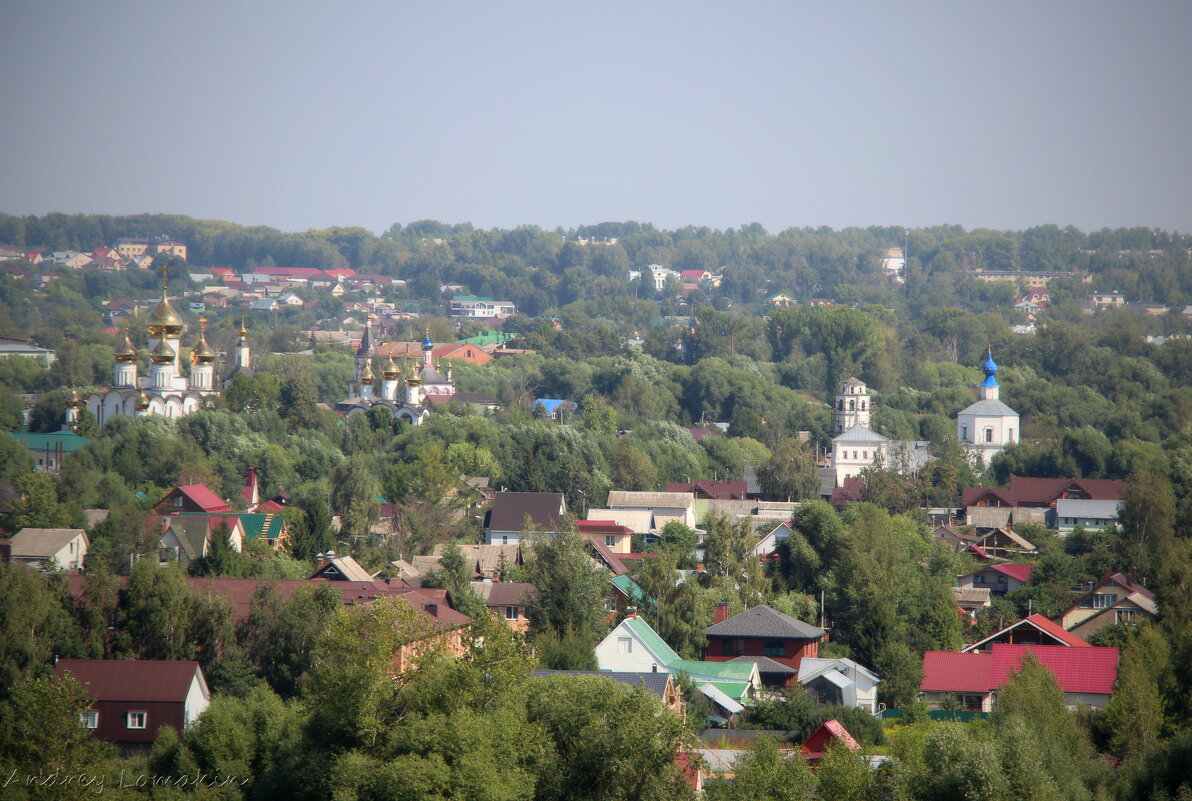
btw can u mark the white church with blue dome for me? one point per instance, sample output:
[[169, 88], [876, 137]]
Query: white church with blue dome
[[988, 426]]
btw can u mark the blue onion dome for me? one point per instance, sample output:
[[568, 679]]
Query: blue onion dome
[[989, 365], [427, 344]]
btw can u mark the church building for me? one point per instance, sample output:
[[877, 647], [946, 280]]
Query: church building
[[404, 391], [166, 391], [855, 446], [988, 425]]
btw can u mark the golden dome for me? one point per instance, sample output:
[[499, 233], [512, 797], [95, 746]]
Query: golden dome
[[73, 398], [163, 353], [366, 375], [243, 329], [390, 372], [202, 353], [164, 321], [125, 352], [142, 402]]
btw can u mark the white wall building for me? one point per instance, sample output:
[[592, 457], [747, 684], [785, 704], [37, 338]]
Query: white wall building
[[988, 425]]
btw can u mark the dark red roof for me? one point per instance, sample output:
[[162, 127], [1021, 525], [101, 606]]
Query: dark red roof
[[829, 732], [1025, 491], [712, 490], [509, 593], [607, 556], [1015, 571], [131, 679], [699, 433], [207, 500], [594, 527]]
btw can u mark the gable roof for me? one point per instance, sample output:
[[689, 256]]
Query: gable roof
[[504, 593], [762, 621], [1015, 571], [729, 490], [628, 587], [638, 521], [955, 672], [765, 664], [651, 500], [830, 731], [1045, 490], [145, 680], [1121, 580], [860, 434], [207, 500], [649, 638], [1041, 624], [43, 542], [1076, 670], [345, 566], [510, 510], [812, 666], [611, 560]]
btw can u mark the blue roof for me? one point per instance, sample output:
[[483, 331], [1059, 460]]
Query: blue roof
[[551, 405], [990, 368]]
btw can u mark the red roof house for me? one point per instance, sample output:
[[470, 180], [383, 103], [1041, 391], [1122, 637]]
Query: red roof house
[[193, 499], [1086, 675], [821, 740], [1033, 630]]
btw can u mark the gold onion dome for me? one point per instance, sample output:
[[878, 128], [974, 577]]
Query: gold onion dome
[[163, 353], [390, 372], [164, 321], [366, 375], [142, 402], [73, 398], [202, 353], [125, 352]]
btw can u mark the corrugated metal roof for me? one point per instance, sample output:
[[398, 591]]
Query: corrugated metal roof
[[131, 679], [510, 510], [714, 693], [1077, 670], [948, 671], [651, 500], [43, 541]]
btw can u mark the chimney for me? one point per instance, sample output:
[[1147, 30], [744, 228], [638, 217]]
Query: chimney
[[320, 561], [721, 612], [630, 611]]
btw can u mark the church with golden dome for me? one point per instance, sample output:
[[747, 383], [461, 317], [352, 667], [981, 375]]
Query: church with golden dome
[[166, 391]]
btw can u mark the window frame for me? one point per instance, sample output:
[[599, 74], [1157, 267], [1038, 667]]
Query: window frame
[[143, 719]]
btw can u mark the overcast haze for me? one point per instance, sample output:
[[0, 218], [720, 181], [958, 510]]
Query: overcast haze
[[305, 115]]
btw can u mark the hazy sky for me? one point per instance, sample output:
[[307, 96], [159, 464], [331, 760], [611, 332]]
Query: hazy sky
[[309, 114]]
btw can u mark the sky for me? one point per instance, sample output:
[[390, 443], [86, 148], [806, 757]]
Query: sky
[[303, 115]]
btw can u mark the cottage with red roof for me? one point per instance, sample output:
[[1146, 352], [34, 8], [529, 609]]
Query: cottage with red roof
[[829, 733], [1086, 675], [1033, 630], [1000, 579], [1116, 598], [191, 499], [132, 698]]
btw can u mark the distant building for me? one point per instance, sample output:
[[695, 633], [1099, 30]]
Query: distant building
[[988, 425]]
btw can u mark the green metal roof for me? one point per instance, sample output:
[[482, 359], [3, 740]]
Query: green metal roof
[[651, 640], [733, 689], [628, 588], [471, 298], [715, 671], [262, 524], [69, 440]]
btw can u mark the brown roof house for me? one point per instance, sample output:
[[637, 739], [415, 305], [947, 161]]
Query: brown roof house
[[507, 600], [132, 698], [64, 548], [515, 513]]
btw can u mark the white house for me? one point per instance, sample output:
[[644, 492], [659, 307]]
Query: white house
[[1073, 512], [839, 681], [67, 547]]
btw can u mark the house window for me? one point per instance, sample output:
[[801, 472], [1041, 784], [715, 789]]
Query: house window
[[1104, 600], [1010, 435], [989, 435], [978, 578], [730, 646], [135, 720], [610, 540], [90, 720], [511, 613], [178, 501], [624, 645], [774, 648], [964, 433], [504, 540]]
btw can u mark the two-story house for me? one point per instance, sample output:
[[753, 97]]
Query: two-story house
[[775, 642], [515, 513]]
